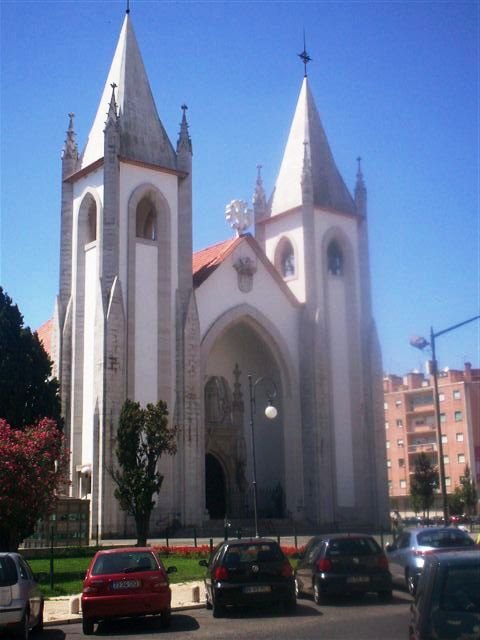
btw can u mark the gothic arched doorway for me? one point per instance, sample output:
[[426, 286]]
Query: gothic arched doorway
[[215, 490]]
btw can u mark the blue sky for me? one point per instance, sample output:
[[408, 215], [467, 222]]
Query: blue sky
[[395, 82]]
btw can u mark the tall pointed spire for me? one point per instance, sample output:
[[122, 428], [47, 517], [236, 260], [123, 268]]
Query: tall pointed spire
[[360, 191], [70, 149], [259, 198], [143, 137], [329, 189], [184, 142]]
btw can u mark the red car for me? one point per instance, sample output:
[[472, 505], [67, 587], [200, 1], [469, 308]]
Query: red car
[[126, 582]]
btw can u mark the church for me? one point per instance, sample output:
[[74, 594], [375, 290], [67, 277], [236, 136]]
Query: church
[[278, 315]]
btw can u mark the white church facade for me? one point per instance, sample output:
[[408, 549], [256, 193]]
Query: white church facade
[[138, 317]]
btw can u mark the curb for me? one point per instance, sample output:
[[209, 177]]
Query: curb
[[78, 618]]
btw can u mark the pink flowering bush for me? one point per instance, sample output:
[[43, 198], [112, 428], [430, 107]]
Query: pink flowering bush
[[33, 465]]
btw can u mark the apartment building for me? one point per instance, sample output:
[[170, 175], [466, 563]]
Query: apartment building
[[410, 428]]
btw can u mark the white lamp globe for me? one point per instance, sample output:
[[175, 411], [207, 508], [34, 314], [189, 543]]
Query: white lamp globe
[[271, 412]]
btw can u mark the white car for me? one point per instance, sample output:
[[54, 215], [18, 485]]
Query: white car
[[406, 556], [21, 603]]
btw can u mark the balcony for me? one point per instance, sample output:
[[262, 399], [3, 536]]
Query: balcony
[[426, 447]]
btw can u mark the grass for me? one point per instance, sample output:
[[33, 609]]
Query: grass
[[69, 573]]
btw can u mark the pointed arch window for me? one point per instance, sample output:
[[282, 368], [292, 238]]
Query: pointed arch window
[[91, 230], [146, 220], [285, 259], [217, 400], [335, 260]]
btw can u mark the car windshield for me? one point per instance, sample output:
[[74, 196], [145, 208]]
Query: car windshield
[[265, 552], [461, 589], [444, 538], [353, 547], [8, 571], [128, 562]]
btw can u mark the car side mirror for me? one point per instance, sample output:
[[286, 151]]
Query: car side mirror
[[172, 569], [203, 563]]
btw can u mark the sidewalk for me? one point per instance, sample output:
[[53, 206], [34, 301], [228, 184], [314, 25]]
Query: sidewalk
[[64, 610]]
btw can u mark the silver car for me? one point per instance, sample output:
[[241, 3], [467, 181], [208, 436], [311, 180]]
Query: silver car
[[406, 556], [21, 603]]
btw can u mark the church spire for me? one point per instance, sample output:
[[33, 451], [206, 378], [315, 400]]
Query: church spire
[[329, 189], [142, 135]]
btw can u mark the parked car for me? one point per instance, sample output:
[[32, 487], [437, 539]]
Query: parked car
[[407, 555], [21, 603], [248, 571], [126, 582], [447, 601], [337, 564]]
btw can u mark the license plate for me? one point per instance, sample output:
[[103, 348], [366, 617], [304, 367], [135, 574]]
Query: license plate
[[358, 579], [125, 584], [257, 589]]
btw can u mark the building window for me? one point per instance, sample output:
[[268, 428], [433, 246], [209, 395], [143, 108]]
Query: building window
[[387, 426], [458, 416], [398, 403], [401, 462], [400, 442], [399, 423], [403, 484], [448, 481], [335, 264], [459, 437], [389, 485], [146, 220], [444, 439], [446, 460], [461, 458], [441, 397], [456, 394], [443, 417], [387, 444], [389, 464], [385, 406]]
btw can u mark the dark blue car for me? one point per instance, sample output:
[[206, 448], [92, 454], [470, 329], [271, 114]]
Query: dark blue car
[[447, 600]]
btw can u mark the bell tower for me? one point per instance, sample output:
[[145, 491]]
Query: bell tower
[[314, 233], [126, 277]]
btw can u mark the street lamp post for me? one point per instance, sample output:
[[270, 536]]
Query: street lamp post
[[271, 413], [421, 343]]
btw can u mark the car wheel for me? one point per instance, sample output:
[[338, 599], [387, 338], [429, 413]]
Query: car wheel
[[38, 628], [217, 609], [298, 593], [165, 618], [87, 626], [291, 604], [411, 583], [318, 595], [385, 596], [21, 632]]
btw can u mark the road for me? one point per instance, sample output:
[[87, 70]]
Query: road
[[357, 619]]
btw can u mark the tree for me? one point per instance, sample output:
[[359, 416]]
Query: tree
[[33, 466], [466, 494], [143, 436], [423, 483], [27, 390]]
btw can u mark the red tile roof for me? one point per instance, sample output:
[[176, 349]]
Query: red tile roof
[[45, 333], [205, 261]]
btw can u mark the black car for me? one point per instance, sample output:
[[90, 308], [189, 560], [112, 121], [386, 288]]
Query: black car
[[447, 600], [248, 571], [337, 564]]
